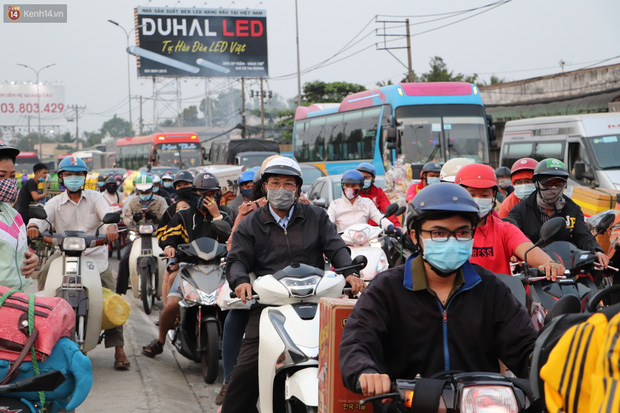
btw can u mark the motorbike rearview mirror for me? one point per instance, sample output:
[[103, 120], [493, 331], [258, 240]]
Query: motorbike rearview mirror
[[222, 229], [391, 210], [360, 261], [401, 210], [37, 212], [551, 229], [43, 382], [111, 218], [605, 223]]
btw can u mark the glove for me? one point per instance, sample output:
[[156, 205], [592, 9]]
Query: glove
[[137, 216], [394, 231], [150, 215]]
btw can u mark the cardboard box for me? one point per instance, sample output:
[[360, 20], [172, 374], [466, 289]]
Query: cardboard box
[[595, 200], [333, 396]]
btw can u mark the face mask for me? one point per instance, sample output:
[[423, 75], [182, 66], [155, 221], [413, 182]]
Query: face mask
[[145, 198], [351, 193], [504, 183], [432, 180], [367, 183], [185, 193], [100, 184], [485, 205], [524, 190], [168, 184], [73, 183], [247, 193], [281, 199], [548, 197], [8, 190], [41, 179], [155, 189], [447, 256], [111, 189]]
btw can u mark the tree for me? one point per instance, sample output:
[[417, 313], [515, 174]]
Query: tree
[[117, 128], [439, 73], [285, 123], [334, 92], [190, 117], [494, 81]]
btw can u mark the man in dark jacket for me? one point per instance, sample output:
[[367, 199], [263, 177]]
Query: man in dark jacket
[[438, 312], [549, 201], [279, 234]]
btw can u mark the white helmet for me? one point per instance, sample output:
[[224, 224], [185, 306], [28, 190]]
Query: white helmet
[[450, 168], [156, 179], [282, 165]]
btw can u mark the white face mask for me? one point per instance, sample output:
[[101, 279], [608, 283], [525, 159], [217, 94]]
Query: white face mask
[[485, 205], [524, 190]]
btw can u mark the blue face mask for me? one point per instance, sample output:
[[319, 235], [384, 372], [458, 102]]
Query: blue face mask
[[155, 189], [247, 193], [432, 180], [145, 198], [367, 183], [41, 179], [447, 256], [168, 184], [73, 183]]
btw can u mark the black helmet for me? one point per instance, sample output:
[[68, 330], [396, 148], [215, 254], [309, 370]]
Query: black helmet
[[110, 180], [101, 178], [8, 150], [430, 167], [442, 197], [502, 171], [183, 176], [206, 181], [550, 168]]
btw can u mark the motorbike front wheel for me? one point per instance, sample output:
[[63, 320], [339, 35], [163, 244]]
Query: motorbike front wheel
[[209, 350], [147, 290]]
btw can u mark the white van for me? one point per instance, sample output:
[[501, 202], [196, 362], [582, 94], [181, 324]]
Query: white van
[[589, 145]]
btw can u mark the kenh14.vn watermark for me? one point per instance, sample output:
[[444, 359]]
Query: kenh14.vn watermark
[[35, 13]]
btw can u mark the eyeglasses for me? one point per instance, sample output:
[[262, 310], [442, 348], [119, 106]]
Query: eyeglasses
[[442, 235], [289, 186]]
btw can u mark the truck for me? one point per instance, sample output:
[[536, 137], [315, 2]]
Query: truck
[[242, 151]]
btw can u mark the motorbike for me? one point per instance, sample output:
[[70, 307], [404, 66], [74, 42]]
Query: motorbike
[[146, 271], [77, 280], [40, 383], [121, 242], [288, 347], [198, 335]]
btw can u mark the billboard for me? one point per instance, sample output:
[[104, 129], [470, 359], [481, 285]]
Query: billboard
[[201, 42], [18, 102]]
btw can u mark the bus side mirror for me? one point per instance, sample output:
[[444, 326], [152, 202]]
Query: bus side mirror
[[391, 137], [580, 172], [492, 132]]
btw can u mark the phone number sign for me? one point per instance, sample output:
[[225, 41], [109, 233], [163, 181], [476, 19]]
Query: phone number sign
[[18, 102]]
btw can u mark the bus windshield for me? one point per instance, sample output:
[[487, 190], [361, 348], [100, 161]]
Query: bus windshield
[[441, 132], [182, 155], [606, 149]]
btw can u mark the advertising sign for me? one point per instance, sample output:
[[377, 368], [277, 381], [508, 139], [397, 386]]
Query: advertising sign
[[18, 102], [201, 42]]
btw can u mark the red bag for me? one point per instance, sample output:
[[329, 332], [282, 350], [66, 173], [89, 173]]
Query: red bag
[[53, 318]]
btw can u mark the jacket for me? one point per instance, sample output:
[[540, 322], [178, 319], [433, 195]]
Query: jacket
[[376, 195], [403, 331], [190, 224], [344, 213], [13, 246], [526, 216], [156, 204], [262, 246]]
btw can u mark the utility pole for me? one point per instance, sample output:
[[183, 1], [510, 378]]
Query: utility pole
[[141, 118], [77, 109], [262, 109], [243, 107], [410, 69], [384, 34]]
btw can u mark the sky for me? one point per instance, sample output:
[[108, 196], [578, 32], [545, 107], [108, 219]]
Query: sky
[[513, 40]]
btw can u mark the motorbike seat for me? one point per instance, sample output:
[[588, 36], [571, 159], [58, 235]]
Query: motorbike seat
[[569, 255]]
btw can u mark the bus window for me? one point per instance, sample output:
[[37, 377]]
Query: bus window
[[549, 150], [515, 151]]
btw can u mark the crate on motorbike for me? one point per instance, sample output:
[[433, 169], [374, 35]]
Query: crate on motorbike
[[595, 200], [333, 396]]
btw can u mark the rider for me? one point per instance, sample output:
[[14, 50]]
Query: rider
[[79, 209], [146, 208], [373, 192], [504, 184], [450, 168], [158, 190], [549, 201], [101, 183], [15, 271], [282, 232], [167, 182], [245, 181], [437, 312], [186, 226], [496, 241], [30, 191], [521, 175], [352, 209], [428, 175], [112, 193]]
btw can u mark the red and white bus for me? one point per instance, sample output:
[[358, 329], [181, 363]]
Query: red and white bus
[[25, 161], [181, 150]]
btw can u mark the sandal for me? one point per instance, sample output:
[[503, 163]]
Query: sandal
[[154, 348], [122, 365]]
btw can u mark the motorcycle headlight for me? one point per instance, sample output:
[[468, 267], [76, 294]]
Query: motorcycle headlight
[[194, 295], [382, 264], [145, 229], [132, 236], [74, 244], [489, 399], [358, 237], [301, 287]]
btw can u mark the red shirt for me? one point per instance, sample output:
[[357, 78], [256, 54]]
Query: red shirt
[[507, 204], [495, 243], [413, 190], [376, 195]]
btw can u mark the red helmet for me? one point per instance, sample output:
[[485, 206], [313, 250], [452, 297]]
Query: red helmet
[[476, 175], [523, 164]]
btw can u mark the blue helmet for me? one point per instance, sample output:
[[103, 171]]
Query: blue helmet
[[352, 177], [367, 167], [247, 176], [442, 197], [72, 164]]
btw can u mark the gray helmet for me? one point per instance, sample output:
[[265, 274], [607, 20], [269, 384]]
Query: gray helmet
[[183, 176], [206, 181]]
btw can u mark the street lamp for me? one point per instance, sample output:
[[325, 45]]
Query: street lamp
[[127, 33], [38, 100]]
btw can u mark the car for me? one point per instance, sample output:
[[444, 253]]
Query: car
[[327, 188], [162, 170], [309, 173], [112, 171], [252, 159]]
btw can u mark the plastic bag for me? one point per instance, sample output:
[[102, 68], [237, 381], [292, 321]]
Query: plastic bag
[[115, 310]]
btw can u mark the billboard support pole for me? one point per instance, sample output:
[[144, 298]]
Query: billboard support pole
[[262, 109], [243, 107], [298, 69]]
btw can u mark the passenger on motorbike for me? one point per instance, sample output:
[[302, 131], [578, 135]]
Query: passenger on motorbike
[[549, 201], [101, 183], [373, 192], [167, 182], [496, 241], [522, 172], [186, 226], [146, 208], [112, 193], [504, 184], [352, 209], [81, 209], [437, 312], [428, 175], [281, 233], [451, 167], [245, 181], [18, 261], [159, 191]]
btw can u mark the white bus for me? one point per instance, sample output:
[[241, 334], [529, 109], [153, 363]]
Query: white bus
[[589, 145]]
